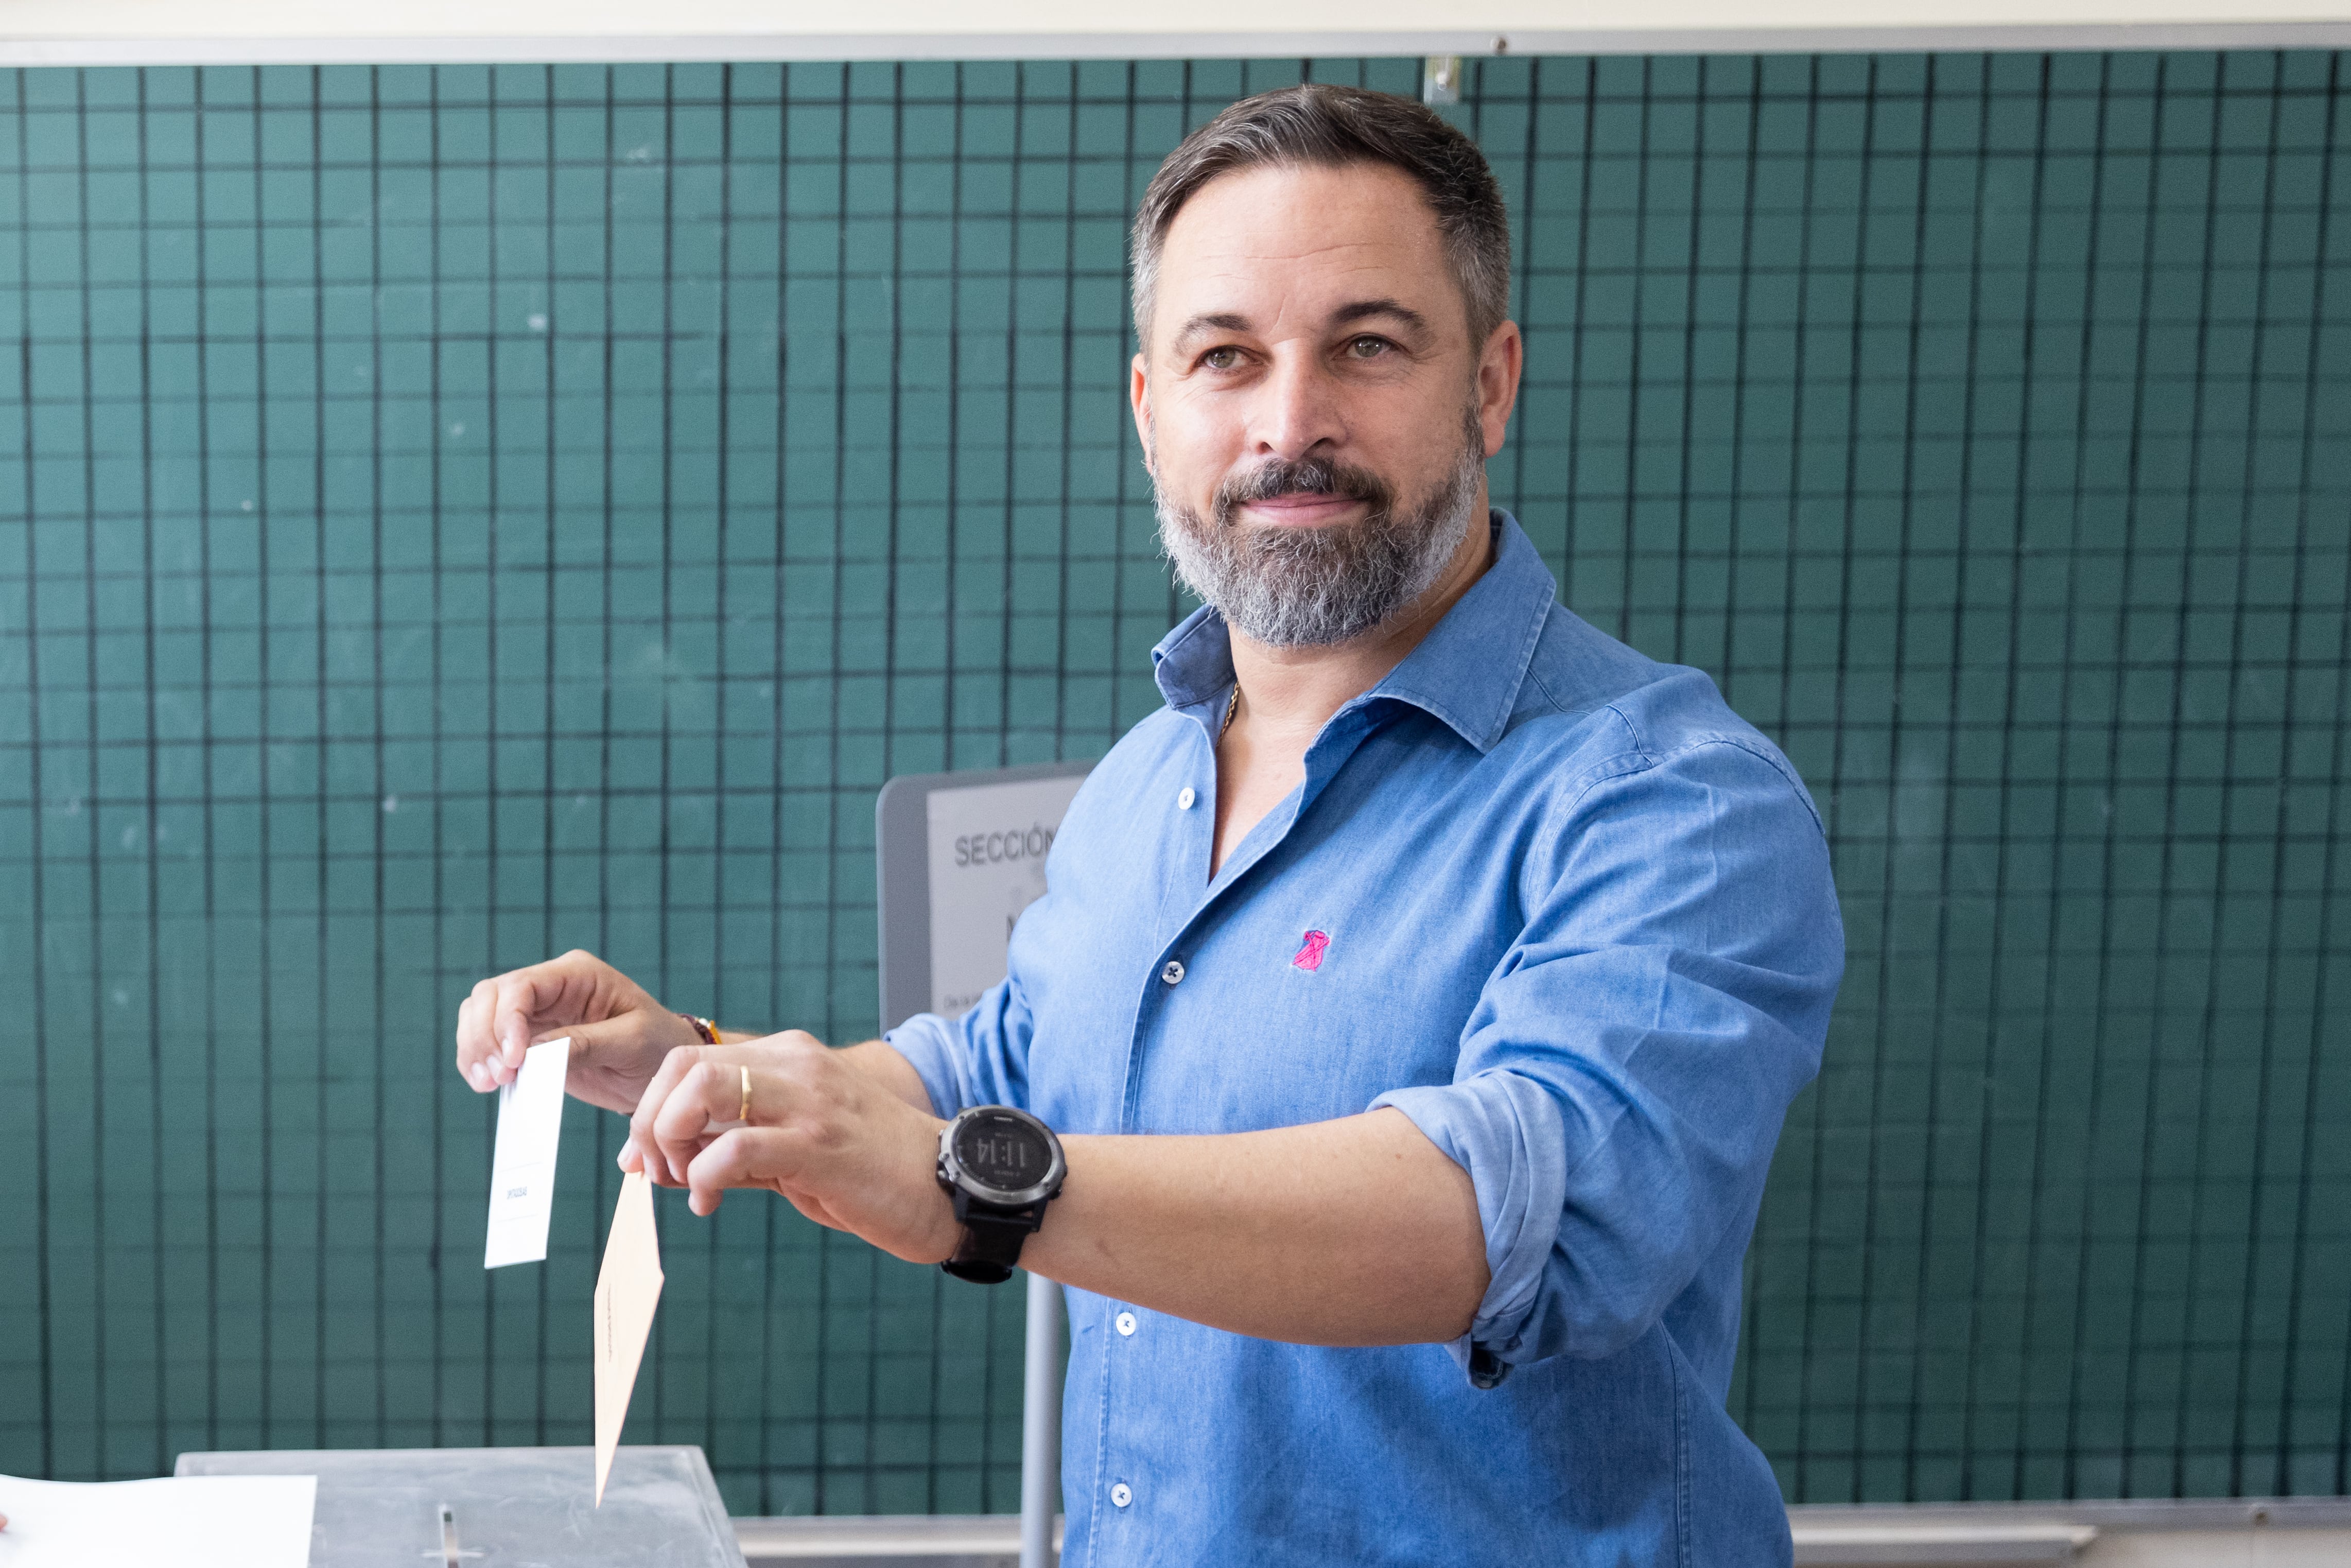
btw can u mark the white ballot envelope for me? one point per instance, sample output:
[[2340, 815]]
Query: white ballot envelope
[[522, 1166], [188, 1522], [628, 1288]]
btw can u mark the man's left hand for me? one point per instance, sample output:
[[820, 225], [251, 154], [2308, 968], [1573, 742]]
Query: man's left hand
[[847, 1152]]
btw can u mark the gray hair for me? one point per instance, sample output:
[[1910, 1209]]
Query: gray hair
[[1318, 125]]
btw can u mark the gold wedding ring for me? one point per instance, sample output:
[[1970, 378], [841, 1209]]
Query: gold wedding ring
[[745, 1113]]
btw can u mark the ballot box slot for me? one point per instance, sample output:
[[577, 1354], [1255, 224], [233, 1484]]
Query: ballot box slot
[[452, 1554]]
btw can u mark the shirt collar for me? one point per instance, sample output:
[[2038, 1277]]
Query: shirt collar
[[1467, 671]]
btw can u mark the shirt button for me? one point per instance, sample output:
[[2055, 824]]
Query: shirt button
[[1184, 799], [1120, 1495], [1170, 971], [1126, 1322]]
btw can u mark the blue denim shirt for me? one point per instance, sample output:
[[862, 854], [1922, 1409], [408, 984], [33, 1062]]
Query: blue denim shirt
[[1559, 905]]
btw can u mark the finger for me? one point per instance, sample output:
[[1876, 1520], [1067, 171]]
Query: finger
[[746, 1157], [708, 1092], [464, 1040], [634, 1158], [665, 1079], [537, 991], [511, 1009], [649, 1106], [487, 1070], [474, 1044], [481, 1026], [469, 1033]]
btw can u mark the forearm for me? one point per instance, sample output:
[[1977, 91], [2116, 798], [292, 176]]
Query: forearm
[[1353, 1232]]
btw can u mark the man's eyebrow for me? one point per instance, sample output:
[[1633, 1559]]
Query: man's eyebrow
[[1363, 310], [1345, 316], [1218, 321]]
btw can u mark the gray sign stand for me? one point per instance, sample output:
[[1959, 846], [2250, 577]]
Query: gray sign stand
[[1040, 1426], [902, 824], [989, 833]]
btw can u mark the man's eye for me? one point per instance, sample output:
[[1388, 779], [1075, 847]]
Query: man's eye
[[1367, 347], [1221, 359]]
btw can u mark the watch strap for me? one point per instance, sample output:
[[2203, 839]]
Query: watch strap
[[992, 1238]]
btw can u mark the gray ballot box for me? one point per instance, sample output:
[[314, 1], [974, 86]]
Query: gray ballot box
[[501, 1508]]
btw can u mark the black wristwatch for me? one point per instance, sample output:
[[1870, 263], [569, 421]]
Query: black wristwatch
[[1001, 1166]]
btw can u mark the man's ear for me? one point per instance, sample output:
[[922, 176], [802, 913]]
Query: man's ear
[[1499, 367], [1138, 397]]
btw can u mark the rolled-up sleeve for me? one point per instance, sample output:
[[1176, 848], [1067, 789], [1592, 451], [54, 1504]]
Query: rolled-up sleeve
[[1623, 1078], [979, 1058]]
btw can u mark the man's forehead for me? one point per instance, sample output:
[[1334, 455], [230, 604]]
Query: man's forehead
[[1324, 237]]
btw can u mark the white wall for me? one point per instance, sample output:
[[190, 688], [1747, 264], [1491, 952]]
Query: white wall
[[127, 31]]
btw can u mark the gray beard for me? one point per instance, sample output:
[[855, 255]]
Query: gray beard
[[1311, 587]]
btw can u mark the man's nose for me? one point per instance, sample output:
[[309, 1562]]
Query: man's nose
[[1298, 410]]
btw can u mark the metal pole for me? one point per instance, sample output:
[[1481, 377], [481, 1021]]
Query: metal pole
[[1040, 1426]]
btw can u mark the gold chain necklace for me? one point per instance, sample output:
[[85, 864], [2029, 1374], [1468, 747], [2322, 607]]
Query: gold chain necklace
[[1231, 708]]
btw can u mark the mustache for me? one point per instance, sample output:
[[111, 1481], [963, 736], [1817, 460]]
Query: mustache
[[1306, 476]]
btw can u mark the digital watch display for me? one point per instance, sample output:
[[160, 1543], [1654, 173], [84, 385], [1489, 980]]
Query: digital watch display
[[1001, 1166]]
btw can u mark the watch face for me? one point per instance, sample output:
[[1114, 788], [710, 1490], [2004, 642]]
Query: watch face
[[1002, 1152]]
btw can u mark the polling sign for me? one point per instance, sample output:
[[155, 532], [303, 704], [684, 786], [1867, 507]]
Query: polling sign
[[960, 856]]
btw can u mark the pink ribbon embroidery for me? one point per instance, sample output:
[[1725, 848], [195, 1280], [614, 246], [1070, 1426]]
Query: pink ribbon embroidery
[[1310, 957]]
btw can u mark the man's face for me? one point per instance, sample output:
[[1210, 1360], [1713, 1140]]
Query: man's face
[[1316, 416]]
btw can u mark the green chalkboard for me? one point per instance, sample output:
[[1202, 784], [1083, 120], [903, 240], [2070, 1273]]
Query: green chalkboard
[[449, 514]]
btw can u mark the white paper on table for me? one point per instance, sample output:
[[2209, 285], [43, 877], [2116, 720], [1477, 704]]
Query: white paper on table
[[188, 1522], [628, 1288], [522, 1166]]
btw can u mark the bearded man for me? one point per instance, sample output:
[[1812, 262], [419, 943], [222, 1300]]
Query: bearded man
[[1392, 1064]]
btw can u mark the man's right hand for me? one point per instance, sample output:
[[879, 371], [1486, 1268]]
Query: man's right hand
[[619, 1032]]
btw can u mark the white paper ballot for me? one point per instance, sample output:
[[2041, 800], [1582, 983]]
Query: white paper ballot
[[522, 1167], [188, 1522]]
